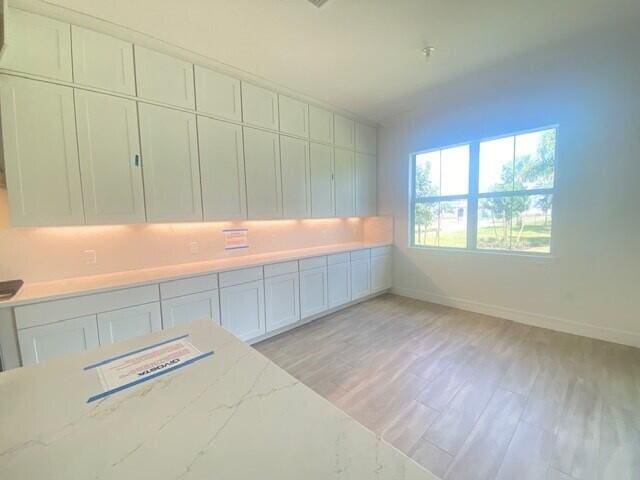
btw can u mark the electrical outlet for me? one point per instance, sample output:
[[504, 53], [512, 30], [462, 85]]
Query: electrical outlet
[[90, 257], [194, 248]]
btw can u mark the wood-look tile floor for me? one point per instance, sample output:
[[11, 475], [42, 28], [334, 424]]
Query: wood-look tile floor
[[471, 396]]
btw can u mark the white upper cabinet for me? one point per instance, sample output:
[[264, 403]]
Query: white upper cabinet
[[109, 159], [344, 131], [366, 139], [344, 183], [164, 79], [259, 106], [217, 94], [320, 125], [129, 322], [170, 164], [222, 170], [37, 45], [102, 61], [294, 116], [40, 153], [262, 167], [296, 195], [366, 185], [321, 181]]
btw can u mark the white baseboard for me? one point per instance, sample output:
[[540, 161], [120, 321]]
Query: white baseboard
[[544, 321]]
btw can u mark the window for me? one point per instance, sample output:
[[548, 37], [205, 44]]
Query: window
[[493, 194]]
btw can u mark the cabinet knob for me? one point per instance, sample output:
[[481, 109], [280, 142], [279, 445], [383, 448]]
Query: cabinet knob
[[136, 160]]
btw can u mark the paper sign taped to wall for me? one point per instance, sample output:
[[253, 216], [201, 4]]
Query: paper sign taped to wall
[[235, 238]]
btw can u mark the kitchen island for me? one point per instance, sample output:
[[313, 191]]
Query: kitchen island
[[230, 415]]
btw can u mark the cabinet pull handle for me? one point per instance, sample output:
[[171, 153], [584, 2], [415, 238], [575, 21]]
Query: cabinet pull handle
[[136, 160]]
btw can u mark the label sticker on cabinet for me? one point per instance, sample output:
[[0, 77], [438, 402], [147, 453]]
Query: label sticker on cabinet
[[132, 368], [235, 238]]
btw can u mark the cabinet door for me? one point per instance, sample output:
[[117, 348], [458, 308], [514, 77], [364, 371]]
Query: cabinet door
[[313, 291], [259, 106], [366, 185], [102, 61], [170, 164], [41, 343], [37, 45], [242, 309], [40, 153], [222, 170], [365, 139], [321, 181], [262, 167], [187, 308], [380, 273], [320, 124], [164, 79], [294, 160], [109, 159], [344, 183], [344, 131], [129, 322], [339, 284], [282, 297], [294, 116], [217, 94], [360, 282]]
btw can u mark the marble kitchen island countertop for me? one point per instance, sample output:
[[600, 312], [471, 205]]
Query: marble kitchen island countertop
[[232, 415]]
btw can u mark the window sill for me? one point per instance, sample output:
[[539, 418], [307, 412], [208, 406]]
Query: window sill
[[503, 254]]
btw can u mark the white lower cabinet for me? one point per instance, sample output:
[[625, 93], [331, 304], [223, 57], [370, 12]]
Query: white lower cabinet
[[242, 309], [129, 322], [187, 308], [339, 284], [380, 273], [313, 291], [360, 282], [282, 295], [44, 342]]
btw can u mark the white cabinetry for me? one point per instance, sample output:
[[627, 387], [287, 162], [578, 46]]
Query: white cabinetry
[[380, 269], [344, 131], [365, 139], [187, 308], [294, 116], [222, 170], [320, 124], [313, 291], [296, 192], [321, 181], [259, 106], [339, 279], [44, 342], [170, 163], [102, 61], [217, 94], [164, 78], [40, 153], [366, 185], [129, 322], [242, 309], [37, 45], [344, 183], [282, 294], [109, 159], [360, 274], [262, 167]]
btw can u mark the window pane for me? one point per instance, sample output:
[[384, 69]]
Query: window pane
[[496, 165], [428, 174], [531, 223], [426, 224], [454, 163], [453, 224], [535, 157], [494, 220]]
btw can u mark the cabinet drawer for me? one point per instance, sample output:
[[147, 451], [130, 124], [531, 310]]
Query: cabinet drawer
[[244, 275], [280, 268], [360, 254], [315, 262], [56, 310], [186, 286], [379, 251], [338, 258]]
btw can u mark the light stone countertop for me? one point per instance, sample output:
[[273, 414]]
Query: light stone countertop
[[53, 290], [233, 415]]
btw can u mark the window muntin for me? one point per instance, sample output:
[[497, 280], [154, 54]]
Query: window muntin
[[510, 207]]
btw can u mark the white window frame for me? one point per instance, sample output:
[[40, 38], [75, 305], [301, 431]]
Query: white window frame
[[474, 196]]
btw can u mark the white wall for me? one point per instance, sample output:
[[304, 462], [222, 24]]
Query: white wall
[[591, 286]]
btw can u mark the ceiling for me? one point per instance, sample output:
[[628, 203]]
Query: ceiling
[[362, 55]]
